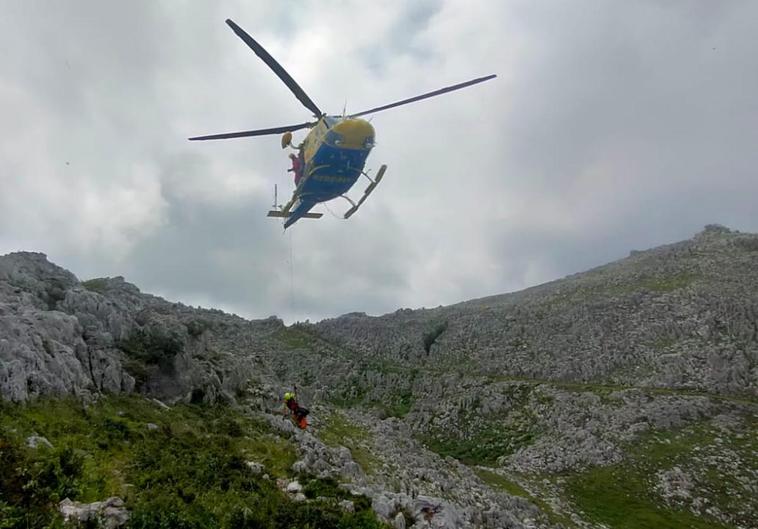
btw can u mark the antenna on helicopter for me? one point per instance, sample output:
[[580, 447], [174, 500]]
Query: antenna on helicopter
[[276, 199]]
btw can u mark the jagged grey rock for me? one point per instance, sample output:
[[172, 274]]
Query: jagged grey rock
[[346, 505], [62, 337], [109, 514], [255, 467], [34, 441], [674, 484], [294, 487], [680, 316]]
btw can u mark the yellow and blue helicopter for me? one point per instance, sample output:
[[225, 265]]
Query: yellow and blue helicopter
[[334, 152]]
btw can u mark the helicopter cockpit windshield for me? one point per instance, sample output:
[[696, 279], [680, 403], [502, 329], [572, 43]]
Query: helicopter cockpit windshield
[[331, 120]]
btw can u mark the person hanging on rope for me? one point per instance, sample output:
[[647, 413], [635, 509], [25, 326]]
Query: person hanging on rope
[[296, 412], [298, 160], [297, 167]]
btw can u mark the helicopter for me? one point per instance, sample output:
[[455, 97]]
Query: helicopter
[[333, 154]]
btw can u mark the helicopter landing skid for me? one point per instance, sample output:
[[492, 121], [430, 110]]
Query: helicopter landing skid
[[283, 215], [367, 192], [283, 212]]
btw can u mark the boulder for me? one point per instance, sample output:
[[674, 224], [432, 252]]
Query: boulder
[[35, 441], [109, 514]]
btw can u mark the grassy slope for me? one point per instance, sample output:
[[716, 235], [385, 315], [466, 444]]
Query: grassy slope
[[624, 496], [190, 470], [338, 430]]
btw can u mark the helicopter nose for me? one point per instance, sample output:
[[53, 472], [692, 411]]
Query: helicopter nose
[[354, 133]]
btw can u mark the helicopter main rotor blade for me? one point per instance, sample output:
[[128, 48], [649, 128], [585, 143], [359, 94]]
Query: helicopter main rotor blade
[[259, 132], [424, 96], [276, 67]]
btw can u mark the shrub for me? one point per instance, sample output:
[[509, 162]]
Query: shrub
[[99, 285], [197, 327], [153, 348], [431, 336], [30, 488], [191, 473]]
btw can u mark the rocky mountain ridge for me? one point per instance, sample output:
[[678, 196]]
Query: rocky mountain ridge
[[492, 411], [680, 316]]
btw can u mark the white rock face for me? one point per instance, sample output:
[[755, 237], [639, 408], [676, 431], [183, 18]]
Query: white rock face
[[62, 337], [110, 513], [255, 467], [346, 505], [674, 484], [294, 487], [35, 441], [43, 349]]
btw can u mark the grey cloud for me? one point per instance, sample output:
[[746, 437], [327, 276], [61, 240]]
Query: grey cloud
[[236, 258], [611, 126]]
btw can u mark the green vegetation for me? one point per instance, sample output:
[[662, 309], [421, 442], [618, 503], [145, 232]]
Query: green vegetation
[[604, 389], [148, 351], [619, 497], [189, 470], [99, 285], [623, 496], [30, 487], [498, 481], [659, 284], [338, 430], [351, 391], [432, 334], [668, 283], [197, 326], [480, 446], [663, 342], [395, 396], [481, 440], [396, 405], [152, 347], [329, 488], [294, 338]]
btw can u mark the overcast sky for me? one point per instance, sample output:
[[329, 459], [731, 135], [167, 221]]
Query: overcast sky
[[612, 126]]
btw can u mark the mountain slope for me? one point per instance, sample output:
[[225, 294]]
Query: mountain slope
[[678, 316], [623, 396]]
